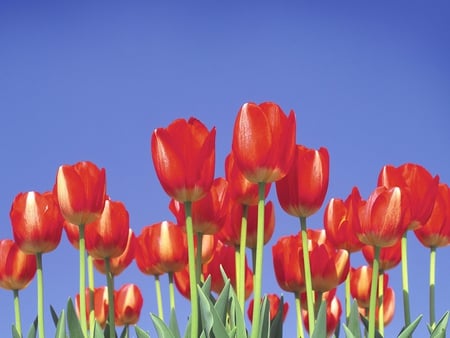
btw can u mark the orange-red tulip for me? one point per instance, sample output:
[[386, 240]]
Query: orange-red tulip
[[390, 256], [436, 231], [418, 184], [107, 237], [241, 190], [210, 213], [340, 220], [119, 263], [264, 141], [36, 222], [274, 303], [161, 248], [184, 156], [383, 217], [181, 280], [101, 305], [72, 233], [288, 265], [302, 191], [128, 304], [388, 307], [17, 268], [361, 284], [81, 192]]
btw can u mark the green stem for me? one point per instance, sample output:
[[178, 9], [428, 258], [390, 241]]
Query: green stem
[[298, 308], [91, 295], [237, 268], [198, 258], [307, 275], [348, 298], [40, 295], [192, 271], [406, 306], [17, 312], [159, 297], [432, 286], [171, 292], [373, 292], [381, 303], [257, 274], [82, 250], [242, 246], [110, 284]]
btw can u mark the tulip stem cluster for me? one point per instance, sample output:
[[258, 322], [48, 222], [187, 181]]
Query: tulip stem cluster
[[432, 287], [257, 276], [405, 283], [373, 292], [307, 274]]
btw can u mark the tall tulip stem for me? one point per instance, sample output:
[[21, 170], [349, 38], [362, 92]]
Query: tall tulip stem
[[159, 297], [257, 274], [40, 295], [198, 258], [91, 294], [241, 263], [432, 287], [82, 250], [110, 284], [405, 283], [17, 312], [380, 303], [192, 269], [298, 308], [171, 292], [373, 292], [347, 298], [307, 275]]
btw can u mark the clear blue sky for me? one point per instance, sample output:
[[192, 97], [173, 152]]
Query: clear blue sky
[[90, 81]]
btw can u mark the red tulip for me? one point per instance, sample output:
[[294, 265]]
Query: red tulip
[[161, 248], [81, 192], [119, 263], [181, 280], [436, 231], [288, 265], [72, 233], [101, 305], [107, 237], [388, 307], [36, 222], [209, 243], [274, 303], [264, 141], [361, 284], [17, 268], [382, 217], [390, 256], [209, 213], [241, 190], [184, 156], [128, 305], [341, 218], [302, 191], [418, 184]]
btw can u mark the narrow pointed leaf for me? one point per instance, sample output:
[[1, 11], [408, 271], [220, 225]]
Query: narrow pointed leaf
[[61, 325], [98, 332], [173, 324], [441, 327], [54, 315], [210, 318], [407, 331], [72, 321], [320, 328], [161, 327], [348, 332], [264, 325], [353, 321], [276, 326], [141, 333], [33, 329], [222, 302], [15, 334]]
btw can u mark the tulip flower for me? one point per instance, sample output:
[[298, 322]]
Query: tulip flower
[[209, 213], [81, 194], [360, 284], [390, 256], [17, 270], [274, 307], [387, 311], [101, 305], [128, 304], [302, 191]]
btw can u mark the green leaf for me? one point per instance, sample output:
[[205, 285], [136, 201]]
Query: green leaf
[[210, 319], [173, 324], [353, 321], [264, 324], [98, 333], [60, 325], [276, 326], [72, 321], [441, 327], [348, 332], [15, 333], [54, 316], [222, 302], [33, 329], [320, 328], [366, 325], [161, 327], [237, 317], [407, 331], [140, 333]]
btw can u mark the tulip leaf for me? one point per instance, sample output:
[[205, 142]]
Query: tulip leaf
[[222, 302], [141, 333], [264, 324], [407, 331], [348, 332], [353, 321], [60, 325], [209, 316], [98, 333], [33, 329], [173, 324], [320, 327], [366, 325], [238, 316], [15, 333], [441, 327], [276, 325], [161, 327], [72, 321], [54, 316]]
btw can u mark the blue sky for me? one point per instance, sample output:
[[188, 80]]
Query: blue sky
[[90, 81]]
